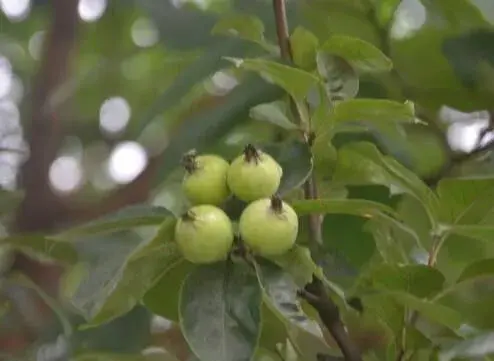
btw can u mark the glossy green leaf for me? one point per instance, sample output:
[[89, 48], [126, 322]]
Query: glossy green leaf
[[126, 218], [163, 297], [39, 246], [274, 113], [295, 159], [220, 312], [116, 278], [476, 347], [244, 26], [304, 48], [362, 163], [362, 55], [373, 111], [281, 292], [358, 207], [295, 81]]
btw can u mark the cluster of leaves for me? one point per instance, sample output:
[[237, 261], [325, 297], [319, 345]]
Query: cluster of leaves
[[409, 266]]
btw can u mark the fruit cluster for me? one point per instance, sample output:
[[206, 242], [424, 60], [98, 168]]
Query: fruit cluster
[[267, 226]]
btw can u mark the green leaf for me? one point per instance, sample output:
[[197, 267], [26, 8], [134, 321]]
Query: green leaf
[[304, 48], [39, 246], [375, 111], [362, 55], [418, 280], [117, 278], [124, 219], [476, 347], [298, 263], [163, 297], [273, 113], [295, 159], [281, 293], [295, 81], [362, 163], [202, 130], [433, 311], [358, 207], [244, 26], [484, 267], [220, 312], [483, 233], [341, 80]]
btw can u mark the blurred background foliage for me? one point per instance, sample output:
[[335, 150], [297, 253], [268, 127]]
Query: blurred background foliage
[[147, 81]]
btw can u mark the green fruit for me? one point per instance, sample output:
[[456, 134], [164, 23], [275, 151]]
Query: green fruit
[[204, 234], [269, 226], [254, 175], [205, 179]]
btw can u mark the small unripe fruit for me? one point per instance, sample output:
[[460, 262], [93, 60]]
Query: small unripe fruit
[[269, 227], [204, 234], [205, 179], [254, 175]]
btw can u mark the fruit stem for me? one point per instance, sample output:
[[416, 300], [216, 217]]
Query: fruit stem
[[251, 153], [189, 161], [276, 204], [189, 216]]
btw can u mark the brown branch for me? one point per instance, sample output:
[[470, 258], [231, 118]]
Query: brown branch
[[315, 292], [44, 132]]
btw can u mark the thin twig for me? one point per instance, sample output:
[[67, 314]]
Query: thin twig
[[314, 293]]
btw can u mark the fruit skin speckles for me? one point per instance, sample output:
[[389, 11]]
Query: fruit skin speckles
[[205, 181], [254, 175], [204, 234], [269, 227]]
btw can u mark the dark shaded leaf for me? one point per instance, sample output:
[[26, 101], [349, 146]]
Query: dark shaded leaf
[[484, 267], [362, 55], [9, 200], [220, 312], [113, 279], [126, 218]]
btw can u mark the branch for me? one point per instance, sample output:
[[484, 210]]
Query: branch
[[315, 292], [44, 130]]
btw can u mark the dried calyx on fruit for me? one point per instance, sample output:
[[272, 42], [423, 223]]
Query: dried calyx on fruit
[[254, 175], [205, 181], [204, 234], [269, 226]]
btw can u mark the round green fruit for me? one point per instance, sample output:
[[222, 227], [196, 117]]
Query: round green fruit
[[254, 175], [205, 179], [269, 226], [204, 234]]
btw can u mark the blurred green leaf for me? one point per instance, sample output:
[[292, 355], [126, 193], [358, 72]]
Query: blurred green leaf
[[295, 81], [274, 113], [304, 48], [298, 263], [244, 26], [126, 218], [358, 207], [483, 233], [9, 200], [163, 297], [433, 311], [484, 267], [295, 159], [363, 56], [478, 346], [39, 246], [220, 305], [201, 131], [362, 163], [340, 78], [118, 275]]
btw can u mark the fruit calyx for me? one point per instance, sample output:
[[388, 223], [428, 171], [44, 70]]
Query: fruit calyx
[[276, 204], [189, 216], [251, 154], [189, 161]]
